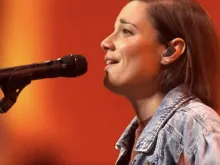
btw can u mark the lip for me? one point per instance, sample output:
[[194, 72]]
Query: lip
[[111, 58], [108, 66]]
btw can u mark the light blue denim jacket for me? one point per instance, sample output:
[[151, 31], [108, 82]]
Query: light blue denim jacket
[[181, 124]]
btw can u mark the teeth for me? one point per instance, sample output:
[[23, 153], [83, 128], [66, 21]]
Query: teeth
[[111, 62], [108, 62]]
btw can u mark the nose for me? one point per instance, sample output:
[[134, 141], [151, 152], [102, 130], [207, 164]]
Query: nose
[[107, 44]]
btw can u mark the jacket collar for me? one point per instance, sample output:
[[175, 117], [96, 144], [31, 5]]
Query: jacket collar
[[170, 103]]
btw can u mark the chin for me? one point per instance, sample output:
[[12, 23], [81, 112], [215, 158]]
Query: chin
[[115, 86], [110, 85]]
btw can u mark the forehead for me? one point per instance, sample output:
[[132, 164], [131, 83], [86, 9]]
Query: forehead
[[135, 12]]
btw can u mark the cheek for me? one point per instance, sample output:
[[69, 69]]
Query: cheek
[[141, 52], [141, 59]]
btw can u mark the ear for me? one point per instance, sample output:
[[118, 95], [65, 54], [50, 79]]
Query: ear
[[175, 49]]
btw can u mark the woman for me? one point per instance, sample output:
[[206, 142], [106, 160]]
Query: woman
[[162, 56]]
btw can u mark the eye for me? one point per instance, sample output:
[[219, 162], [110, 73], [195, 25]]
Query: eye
[[127, 32]]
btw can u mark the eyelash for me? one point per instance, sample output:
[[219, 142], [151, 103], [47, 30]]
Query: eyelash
[[125, 31]]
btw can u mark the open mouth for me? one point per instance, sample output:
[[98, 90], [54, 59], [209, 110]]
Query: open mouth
[[109, 62]]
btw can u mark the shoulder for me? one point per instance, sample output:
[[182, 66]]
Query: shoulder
[[198, 125], [196, 115]]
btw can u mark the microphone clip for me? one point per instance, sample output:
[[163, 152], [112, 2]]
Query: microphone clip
[[11, 90]]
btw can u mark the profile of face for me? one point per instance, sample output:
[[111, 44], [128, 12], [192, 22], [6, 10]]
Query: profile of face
[[133, 53]]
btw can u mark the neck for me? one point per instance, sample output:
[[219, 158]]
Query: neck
[[145, 107]]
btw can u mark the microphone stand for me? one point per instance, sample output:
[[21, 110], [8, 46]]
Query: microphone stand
[[11, 90]]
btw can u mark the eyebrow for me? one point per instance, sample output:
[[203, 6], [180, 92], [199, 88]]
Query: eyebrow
[[123, 21]]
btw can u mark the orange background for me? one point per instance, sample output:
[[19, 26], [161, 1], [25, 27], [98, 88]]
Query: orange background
[[63, 121]]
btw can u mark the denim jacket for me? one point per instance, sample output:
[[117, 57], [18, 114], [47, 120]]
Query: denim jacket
[[182, 125]]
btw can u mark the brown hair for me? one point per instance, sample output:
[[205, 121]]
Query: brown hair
[[197, 67]]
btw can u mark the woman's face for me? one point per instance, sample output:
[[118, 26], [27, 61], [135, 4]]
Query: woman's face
[[133, 53]]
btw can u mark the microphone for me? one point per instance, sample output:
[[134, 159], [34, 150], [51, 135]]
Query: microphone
[[14, 79], [67, 66]]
